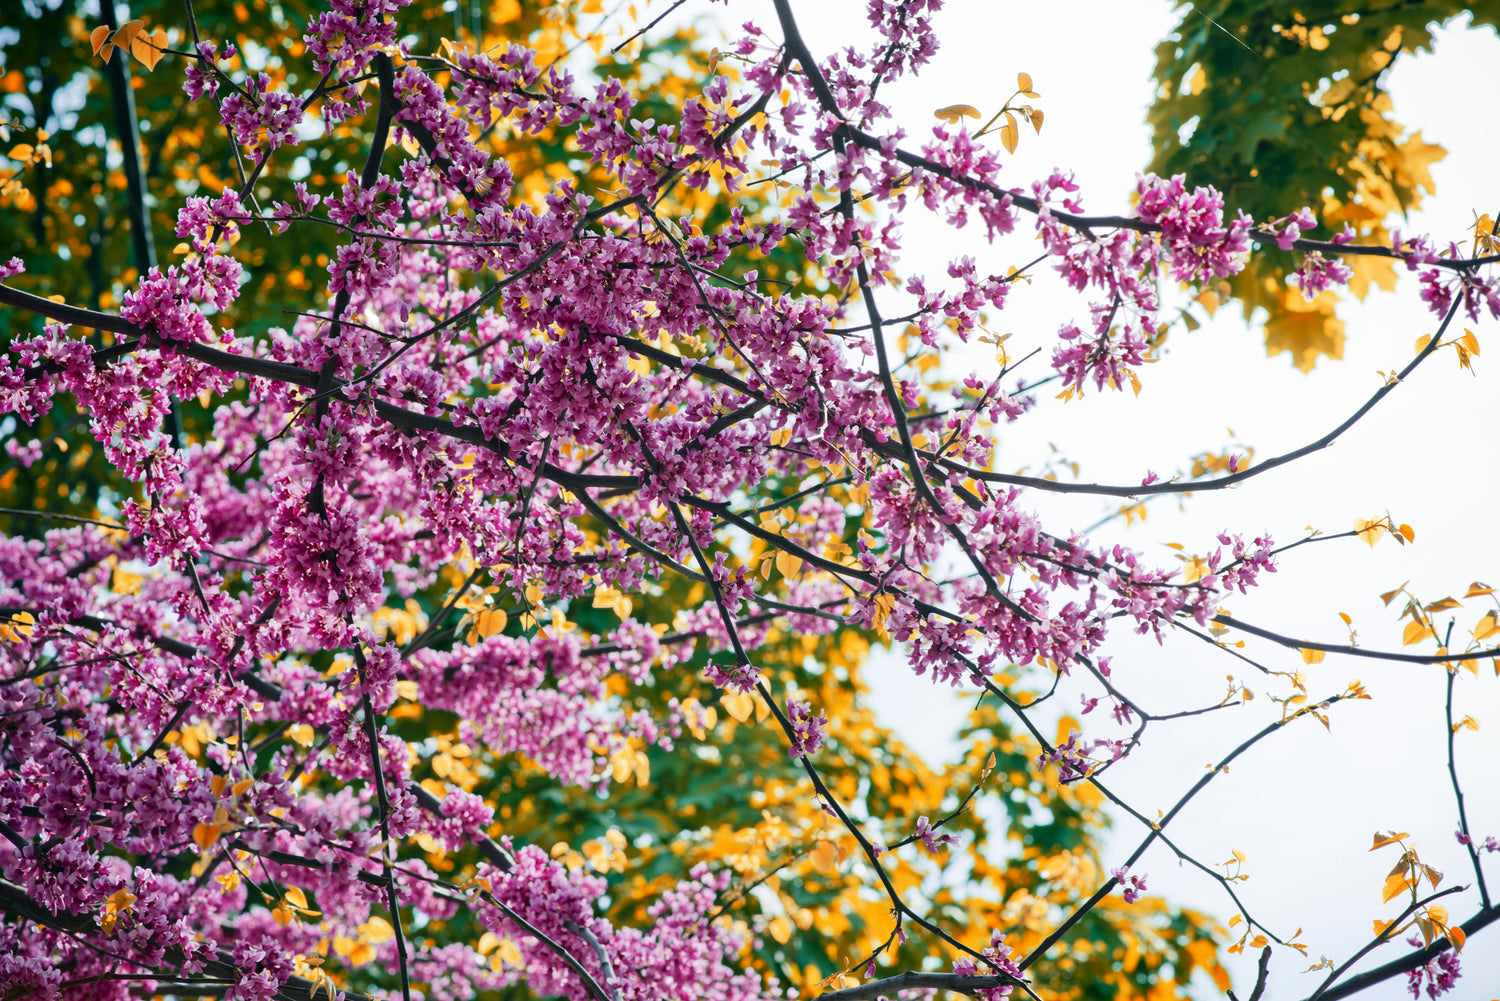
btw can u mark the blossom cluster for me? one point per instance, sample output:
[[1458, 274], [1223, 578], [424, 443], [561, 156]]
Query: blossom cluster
[[1435, 977], [1132, 886], [997, 959]]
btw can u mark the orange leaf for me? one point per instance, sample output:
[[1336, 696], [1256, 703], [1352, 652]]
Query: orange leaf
[[127, 33], [147, 48], [1395, 885], [1383, 838], [1476, 589], [1023, 82], [1414, 632], [204, 835], [98, 37], [1311, 656]]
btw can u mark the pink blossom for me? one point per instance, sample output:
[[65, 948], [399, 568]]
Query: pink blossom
[[1133, 886]]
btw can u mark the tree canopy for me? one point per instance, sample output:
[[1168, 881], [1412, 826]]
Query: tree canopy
[[1278, 102], [461, 457]]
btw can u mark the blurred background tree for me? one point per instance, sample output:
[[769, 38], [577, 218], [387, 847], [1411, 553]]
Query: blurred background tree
[[1283, 103]]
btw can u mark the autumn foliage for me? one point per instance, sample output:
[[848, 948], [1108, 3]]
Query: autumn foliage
[[462, 457]]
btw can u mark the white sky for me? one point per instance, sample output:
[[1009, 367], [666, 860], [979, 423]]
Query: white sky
[[1302, 806]]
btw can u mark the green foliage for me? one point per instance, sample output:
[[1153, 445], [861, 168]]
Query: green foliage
[[1283, 103]]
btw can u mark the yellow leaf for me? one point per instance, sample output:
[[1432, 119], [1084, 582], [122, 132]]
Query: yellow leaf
[[297, 897], [739, 705], [1381, 926], [489, 622], [1395, 885], [780, 928], [953, 112], [1305, 330], [1476, 589], [1440, 605], [1369, 529], [824, 857], [120, 900], [1383, 838], [788, 564], [1422, 342], [1414, 632], [1311, 656], [1036, 122], [1009, 134], [1487, 627], [642, 769], [1023, 81], [1469, 341], [377, 929]]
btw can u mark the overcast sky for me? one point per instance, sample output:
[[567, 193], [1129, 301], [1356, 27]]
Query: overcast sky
[[1304, 805]]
